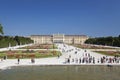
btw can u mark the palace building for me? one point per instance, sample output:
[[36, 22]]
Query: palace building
[[59, 38]]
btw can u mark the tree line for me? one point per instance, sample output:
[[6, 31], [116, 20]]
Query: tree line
[[6, 41], [109, 41], [1, 29]]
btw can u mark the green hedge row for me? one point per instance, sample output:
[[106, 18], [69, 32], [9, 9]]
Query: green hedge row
[[110, 41], [6, 41]]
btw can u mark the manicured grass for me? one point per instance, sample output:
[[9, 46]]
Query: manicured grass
[[109, 53], [29, 54]]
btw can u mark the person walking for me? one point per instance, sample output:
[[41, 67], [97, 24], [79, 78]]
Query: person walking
[[32, 60], [18, 60]]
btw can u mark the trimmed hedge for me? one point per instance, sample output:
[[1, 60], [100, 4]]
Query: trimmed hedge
[[6, 41]]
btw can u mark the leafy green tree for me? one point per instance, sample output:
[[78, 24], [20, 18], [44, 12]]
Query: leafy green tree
[[6, 40], [1, 29], [119, 36], [110, 41], [17, 40], [90, 41]]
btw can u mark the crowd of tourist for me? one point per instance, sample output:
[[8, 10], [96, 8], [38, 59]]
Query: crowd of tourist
[[84, 57]]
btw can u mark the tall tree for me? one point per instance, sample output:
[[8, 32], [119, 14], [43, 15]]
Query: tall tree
[[1, 29], [17, 40]]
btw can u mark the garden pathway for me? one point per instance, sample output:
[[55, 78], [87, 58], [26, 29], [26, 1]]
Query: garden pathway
[[68, 52]]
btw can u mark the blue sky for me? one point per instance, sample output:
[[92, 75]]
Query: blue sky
[[90, 17]]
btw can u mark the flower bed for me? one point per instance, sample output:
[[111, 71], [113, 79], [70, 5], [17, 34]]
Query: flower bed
[[41, 46], [91, 46], [29, 54]]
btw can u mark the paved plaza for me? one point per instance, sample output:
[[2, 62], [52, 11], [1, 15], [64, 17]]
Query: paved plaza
[[70, 56]]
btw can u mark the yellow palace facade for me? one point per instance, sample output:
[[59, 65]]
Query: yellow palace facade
[[59, 38]]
